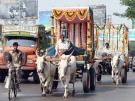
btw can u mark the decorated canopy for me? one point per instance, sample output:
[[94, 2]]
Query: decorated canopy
[[116, 36], [76, 23], [70, 14]]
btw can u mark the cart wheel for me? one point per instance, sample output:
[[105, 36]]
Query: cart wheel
[[56, 77], [109, 70], [99, 73], [86, 81], [124, 75], [99, 76], [2, 78], [92, 79]]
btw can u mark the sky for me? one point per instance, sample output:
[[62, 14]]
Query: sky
[[111, 6]]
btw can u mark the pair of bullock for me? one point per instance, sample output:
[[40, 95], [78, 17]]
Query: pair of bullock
[[46, 69]]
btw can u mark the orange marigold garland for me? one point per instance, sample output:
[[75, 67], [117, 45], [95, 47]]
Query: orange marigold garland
[[57, 13], [70, 15], [82, 13]]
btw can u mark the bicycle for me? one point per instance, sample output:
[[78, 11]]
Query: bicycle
[[12, 91]]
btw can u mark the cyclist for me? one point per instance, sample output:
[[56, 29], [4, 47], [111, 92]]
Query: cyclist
[[14, 61]]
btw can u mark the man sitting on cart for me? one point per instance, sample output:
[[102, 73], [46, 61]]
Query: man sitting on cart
[[61, 46], [106, 49], [106, 55], [64, 46]]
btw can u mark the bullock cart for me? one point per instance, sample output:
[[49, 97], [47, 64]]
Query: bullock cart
[[77, 26], [117, 37]]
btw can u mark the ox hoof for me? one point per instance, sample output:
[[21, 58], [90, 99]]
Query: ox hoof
[[117, 85], [49, 92], [65, 96], [114, 81], [43, 95]]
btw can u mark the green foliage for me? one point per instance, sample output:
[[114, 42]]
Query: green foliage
[[130, 11], [130, 3], [43, 39]]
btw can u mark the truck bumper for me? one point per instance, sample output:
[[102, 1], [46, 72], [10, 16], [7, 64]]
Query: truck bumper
[[25, 67]]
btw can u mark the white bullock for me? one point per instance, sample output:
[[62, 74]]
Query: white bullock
[[67, 70], [46, 71], [118, 61]]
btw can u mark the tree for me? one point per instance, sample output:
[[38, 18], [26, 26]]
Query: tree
[[42, 40], [130, 11]]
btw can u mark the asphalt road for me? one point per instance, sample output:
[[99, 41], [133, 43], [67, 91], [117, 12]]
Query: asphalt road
[[105, 91]]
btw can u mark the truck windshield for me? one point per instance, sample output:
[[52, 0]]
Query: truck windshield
[[26, 42]]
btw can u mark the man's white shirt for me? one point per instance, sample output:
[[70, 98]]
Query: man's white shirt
[[107, 50], [62, 44]]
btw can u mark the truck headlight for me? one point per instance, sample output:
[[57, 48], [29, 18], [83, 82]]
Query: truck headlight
[[1, 50]]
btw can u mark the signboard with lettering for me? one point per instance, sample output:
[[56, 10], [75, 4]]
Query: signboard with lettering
[[18, 8], [13, 28]]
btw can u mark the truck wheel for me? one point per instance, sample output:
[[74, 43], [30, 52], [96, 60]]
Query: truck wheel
[[3, 74], [24, 75], [92, 79], [35, 77], [124, 75], [2, 78], [86, 81]]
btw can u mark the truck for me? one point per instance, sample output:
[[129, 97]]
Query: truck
[[27, 38]]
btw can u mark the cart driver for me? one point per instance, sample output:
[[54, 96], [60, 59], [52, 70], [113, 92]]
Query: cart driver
[[61, 46], [14, 60], [106, 49]]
